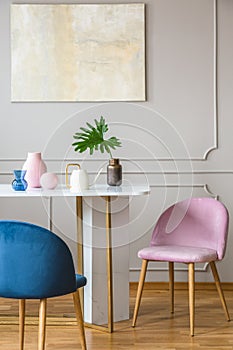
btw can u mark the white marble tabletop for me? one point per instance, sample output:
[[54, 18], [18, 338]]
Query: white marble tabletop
[[6, 190]]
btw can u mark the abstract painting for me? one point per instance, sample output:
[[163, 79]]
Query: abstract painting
[[77, 52]]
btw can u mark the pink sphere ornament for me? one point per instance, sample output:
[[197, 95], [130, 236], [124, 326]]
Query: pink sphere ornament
[[49, 181]]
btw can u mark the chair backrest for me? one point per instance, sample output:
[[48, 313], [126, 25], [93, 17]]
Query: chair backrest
[[196, 222], [34, 262]]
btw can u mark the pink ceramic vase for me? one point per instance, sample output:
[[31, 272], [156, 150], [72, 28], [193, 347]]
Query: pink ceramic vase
[[35, 167]]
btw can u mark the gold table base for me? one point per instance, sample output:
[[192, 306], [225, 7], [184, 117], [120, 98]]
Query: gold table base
[[79, 213]]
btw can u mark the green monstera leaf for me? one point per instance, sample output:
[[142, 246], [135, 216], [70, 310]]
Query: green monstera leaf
[[92, 137]]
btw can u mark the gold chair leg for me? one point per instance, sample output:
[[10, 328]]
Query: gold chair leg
[[219, 289], [79, 316], [171, 285], [42, 324], [191, 297], [21, 323], [140, 289]]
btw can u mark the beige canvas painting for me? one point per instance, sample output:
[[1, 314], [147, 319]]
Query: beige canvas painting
[[78, 52]]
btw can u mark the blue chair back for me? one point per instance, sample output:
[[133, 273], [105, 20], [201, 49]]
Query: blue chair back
[[34, 262]]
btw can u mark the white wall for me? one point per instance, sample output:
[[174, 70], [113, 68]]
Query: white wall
[[181, 138]]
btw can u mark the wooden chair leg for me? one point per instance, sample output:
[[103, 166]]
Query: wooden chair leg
[[42, 324], [171, 285], [191, 297], [79, 316], [140, 289], [219, 289], [21, 323]]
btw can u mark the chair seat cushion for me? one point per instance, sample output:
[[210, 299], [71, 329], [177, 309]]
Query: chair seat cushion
[[81, 281], [176, 253]]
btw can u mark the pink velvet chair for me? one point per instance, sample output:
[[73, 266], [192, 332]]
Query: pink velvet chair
[[191, 231]]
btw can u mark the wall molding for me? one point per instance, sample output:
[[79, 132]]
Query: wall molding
[[215, 105], [215, 83], [198, 172]]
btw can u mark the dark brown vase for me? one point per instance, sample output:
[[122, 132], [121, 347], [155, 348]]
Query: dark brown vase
[[114, 172]]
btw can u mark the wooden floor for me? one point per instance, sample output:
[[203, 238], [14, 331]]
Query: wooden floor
[[156, 327]]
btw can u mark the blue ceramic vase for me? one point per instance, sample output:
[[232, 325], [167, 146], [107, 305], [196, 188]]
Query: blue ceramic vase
[[19, 183]]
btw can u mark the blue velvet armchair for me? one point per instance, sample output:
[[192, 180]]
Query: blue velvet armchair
[[37, 264]]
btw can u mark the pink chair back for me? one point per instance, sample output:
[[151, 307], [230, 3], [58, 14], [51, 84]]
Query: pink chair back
[[196, 222]]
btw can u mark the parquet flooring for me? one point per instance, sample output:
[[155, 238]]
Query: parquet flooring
[[156, 328]]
